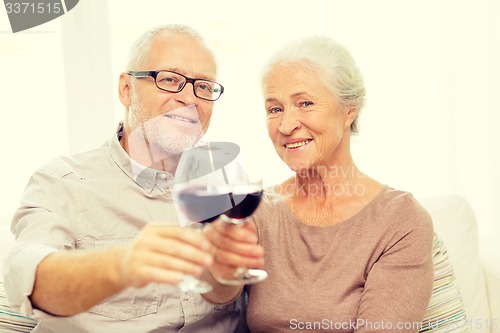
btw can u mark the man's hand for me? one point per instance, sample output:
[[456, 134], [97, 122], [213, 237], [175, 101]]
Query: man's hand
[[71, 282], [163, 254]]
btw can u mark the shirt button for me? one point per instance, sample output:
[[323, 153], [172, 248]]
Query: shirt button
[[163, 175]]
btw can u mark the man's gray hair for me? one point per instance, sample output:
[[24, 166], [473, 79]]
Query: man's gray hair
[[140, 48]]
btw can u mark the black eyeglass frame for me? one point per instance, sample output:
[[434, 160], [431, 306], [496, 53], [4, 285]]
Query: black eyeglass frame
[[191, 80]]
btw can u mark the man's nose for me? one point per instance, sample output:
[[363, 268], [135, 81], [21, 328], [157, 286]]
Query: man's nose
[[186, 95]]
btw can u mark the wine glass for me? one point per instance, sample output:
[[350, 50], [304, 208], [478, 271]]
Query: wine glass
[[186, 196], [244, 195], [234, 192], [214, 183], [231, 194], [192, 190]]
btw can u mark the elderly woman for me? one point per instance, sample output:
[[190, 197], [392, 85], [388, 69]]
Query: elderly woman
[[344, 252]]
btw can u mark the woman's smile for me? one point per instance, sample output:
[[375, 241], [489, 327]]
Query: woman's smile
[[298, 144]]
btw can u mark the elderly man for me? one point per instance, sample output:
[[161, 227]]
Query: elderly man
[[98, 243]]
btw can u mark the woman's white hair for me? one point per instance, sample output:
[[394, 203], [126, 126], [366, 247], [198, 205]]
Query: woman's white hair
[[141, 47], [332, 62]]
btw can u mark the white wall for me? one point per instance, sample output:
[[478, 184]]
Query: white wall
[[32, 105], [430, 70]]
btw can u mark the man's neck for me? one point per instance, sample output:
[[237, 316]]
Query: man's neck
[[150, 157]]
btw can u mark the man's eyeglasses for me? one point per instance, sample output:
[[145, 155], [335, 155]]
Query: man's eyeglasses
[[175, 82]]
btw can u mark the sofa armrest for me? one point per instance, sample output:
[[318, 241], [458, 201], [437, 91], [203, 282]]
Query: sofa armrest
[[491, 268]]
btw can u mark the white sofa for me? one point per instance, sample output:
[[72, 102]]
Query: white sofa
[[478, 278]]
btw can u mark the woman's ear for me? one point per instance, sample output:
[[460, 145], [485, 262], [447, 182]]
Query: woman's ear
[[124, 89], [352, 113]]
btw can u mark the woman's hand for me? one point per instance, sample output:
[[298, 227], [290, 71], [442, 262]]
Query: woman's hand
[[233, 246]]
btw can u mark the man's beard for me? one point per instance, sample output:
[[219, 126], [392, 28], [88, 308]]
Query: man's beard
[[165, 138], [164, 135]]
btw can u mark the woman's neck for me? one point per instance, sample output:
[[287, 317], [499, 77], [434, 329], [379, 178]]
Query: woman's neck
[[334, 181], [327, 180]]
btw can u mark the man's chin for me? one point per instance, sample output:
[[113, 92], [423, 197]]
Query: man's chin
[[179, 144]]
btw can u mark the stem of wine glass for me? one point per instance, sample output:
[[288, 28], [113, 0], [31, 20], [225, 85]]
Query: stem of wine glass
[[241, 271], [189, 282], [242, 275]]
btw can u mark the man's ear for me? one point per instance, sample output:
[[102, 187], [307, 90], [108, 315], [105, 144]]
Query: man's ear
[[124, 89]]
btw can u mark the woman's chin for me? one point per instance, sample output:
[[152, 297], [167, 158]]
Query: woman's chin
[[299, 166]]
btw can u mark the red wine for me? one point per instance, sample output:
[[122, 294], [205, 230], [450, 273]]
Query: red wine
[[204, 205], [245, 204]]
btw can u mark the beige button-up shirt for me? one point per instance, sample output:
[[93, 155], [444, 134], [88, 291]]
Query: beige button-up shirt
[[95, 200]]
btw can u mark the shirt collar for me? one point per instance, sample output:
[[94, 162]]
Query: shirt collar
[[143, 176], [147, 177]]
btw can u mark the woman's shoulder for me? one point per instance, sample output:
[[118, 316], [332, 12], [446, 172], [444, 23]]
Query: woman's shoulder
[[399, 199], [402, 207]]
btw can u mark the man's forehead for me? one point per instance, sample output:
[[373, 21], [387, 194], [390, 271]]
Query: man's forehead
[[183, 54]]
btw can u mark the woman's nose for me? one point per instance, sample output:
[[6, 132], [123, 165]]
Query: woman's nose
[[289, 122]]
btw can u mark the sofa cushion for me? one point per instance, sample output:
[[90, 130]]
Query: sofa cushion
[[445, 312], [11, 321], [455, 223]]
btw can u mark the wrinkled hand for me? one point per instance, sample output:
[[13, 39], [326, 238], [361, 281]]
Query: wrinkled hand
[[163, 254], [233, 246]]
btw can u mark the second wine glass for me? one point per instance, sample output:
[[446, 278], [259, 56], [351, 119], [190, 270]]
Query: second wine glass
[[244, 194]]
